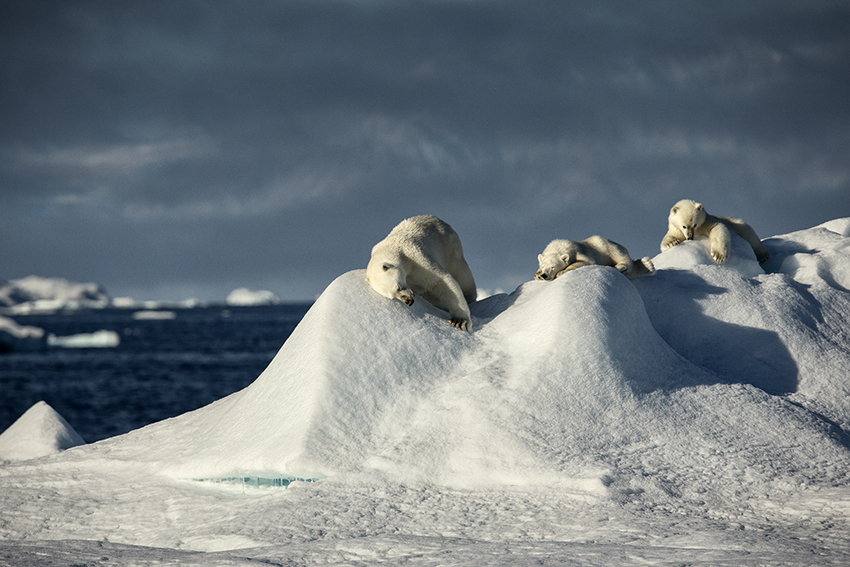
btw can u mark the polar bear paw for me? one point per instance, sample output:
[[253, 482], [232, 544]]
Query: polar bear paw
[[669, 243], [719, 256], [460, 323]]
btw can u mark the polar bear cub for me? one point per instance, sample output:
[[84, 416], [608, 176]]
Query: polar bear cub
[[688, 220], [423, 256], [564, 255]]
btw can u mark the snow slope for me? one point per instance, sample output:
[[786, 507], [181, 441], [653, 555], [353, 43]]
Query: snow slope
[[699, 415]]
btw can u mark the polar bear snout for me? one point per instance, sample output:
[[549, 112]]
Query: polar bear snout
[[541, 275], [405, 295]]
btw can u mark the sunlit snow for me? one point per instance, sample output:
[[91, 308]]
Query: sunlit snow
[[699, 416]]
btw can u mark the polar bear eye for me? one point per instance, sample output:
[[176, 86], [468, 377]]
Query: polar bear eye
[[386, 267]]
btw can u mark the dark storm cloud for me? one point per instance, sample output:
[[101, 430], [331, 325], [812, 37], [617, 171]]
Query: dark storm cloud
[[190, 145]]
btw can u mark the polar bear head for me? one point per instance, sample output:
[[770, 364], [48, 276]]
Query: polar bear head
[[686, 216], [551, 264], [389, 280]]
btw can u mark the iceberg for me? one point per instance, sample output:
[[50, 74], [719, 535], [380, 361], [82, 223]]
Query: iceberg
[[35, 294], [698, 416], [154, 315], [245, 297], [15, 337], [130, 303], [103, 338]]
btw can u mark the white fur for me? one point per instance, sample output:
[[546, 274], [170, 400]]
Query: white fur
[[564, 255], [423, 256], [688, 220]]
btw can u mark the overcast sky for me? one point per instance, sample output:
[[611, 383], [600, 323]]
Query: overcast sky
[[174, 149]]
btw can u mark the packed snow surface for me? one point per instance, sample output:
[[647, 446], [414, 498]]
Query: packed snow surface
[[699, 416]]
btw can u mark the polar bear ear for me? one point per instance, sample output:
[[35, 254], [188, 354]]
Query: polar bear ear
[[565, 258], [674, 210], [539, 258], [698, 206]]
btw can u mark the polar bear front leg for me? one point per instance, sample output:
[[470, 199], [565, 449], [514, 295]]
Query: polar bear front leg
[[574, 266], [721, 240], [670, 240], [746, 232], [621, 260], [448, 294], [459, 316], [624, 267], [762, 255], [462, 324]]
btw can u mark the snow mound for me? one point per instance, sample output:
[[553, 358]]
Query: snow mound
[[703, 410], [245, 297], [816, 257], [693, 253], [41, 431], [590, 380], [780, 327], [838, 226]]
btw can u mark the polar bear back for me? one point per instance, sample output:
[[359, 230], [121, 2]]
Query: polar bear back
[[606, 252], [425, 239]]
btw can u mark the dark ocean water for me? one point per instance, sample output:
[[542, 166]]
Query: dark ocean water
[[161, 369]]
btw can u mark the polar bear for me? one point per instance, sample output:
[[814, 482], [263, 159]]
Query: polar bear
[[423, 256], [564, 255], [688, 220]]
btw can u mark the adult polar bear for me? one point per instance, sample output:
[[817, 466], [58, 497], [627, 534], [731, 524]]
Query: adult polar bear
[[423, 255], [688, 220], [561, 256]]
